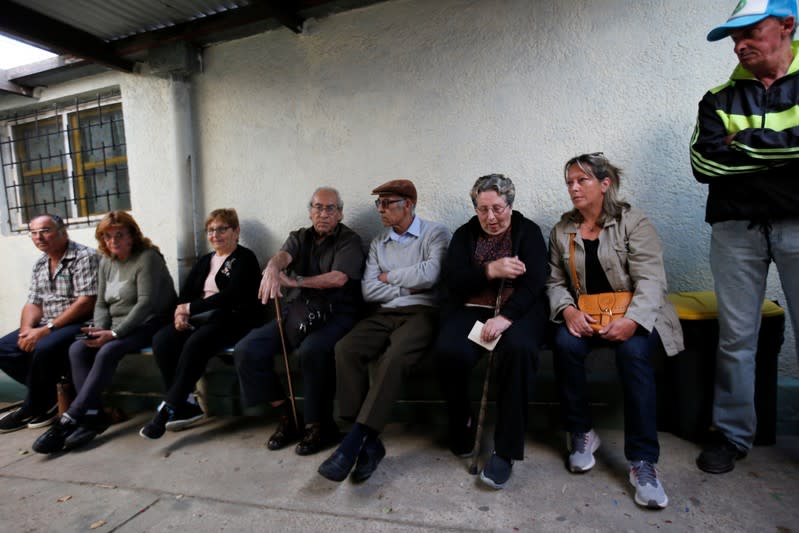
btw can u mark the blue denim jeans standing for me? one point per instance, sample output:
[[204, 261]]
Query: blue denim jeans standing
[[638, 382], [740, 256]]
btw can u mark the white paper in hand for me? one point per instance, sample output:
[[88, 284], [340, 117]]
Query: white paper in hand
[[474, 336]]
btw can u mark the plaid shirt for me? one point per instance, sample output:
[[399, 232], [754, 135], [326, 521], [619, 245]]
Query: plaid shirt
[[75, 275]]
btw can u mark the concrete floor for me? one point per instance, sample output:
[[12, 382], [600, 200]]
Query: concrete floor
[[219, 476]]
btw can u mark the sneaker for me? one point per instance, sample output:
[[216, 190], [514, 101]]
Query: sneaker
[[155, 428], [582, 447], [720, 456], [497, 471], [53, 439], [648, 490], [44, 419], [184, 416], [16, 419]]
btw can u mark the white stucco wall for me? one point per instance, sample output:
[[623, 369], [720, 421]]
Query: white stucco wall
[[439, 92]]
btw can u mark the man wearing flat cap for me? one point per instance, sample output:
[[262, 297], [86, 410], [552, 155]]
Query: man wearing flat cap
[[746, 148], [401, 276]]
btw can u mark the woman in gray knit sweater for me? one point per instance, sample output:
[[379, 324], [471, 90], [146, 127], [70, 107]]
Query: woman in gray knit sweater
[[135, 297]]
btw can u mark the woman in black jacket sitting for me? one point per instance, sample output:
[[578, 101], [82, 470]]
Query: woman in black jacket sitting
[[496, 260], [218, 305]]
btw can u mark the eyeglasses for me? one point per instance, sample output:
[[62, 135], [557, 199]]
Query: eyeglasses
[[319, 208], [44, 232], [386, 202], [496, 209], [117, 236], [219, 230]]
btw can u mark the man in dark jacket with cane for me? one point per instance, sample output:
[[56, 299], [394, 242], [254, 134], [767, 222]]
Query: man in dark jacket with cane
[[321, 266]]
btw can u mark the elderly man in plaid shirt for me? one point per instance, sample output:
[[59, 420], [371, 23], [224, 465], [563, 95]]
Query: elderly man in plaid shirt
[[61, 296]]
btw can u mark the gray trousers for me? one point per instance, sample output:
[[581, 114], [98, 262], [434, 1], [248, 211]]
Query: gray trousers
[[390, 341]]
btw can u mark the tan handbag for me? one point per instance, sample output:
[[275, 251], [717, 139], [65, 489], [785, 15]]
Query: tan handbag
[[604, 307]]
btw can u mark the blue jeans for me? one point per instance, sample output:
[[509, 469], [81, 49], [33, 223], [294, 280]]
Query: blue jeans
[[40, 369], [637, 379], [740, 257]]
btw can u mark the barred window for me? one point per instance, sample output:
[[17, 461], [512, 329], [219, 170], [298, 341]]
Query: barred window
[[68, 158]]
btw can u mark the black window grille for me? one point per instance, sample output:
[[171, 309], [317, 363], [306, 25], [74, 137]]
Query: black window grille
[[68, 158]]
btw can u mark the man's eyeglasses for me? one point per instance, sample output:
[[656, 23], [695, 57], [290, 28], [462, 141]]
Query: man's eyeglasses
[[385, 202], [319, 208], [44, 232], [219, 230], [496, 209]]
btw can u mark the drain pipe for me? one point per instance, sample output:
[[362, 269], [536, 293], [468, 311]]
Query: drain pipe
[[188, 216]]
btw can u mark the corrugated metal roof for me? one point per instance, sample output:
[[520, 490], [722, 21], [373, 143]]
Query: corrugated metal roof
[[115, 19]]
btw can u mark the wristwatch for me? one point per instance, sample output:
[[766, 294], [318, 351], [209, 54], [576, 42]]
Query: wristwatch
[[50, 325], [300, 280]]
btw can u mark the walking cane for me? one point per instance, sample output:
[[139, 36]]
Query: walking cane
[[286, 361], [478, 434]]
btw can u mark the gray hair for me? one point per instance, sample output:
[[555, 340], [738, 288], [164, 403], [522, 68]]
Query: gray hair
[[598, 166], [494, 182], [57, 220], [339, 201]]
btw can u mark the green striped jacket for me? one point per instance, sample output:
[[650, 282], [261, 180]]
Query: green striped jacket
[[756, 177]]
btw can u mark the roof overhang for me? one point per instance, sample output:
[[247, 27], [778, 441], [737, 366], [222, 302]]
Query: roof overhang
[[93, 36]]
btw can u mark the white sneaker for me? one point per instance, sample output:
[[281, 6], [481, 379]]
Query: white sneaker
[[582, 447], [648, 490]]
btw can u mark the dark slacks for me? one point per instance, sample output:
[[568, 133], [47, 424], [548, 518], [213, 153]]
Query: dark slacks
[[515, 366], [392, 340], [93, 368], [637, 379], [183, 355], [40, 369], [254, 357]]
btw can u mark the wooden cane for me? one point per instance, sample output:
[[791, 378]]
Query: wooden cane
[[286, 361], [478, 434]]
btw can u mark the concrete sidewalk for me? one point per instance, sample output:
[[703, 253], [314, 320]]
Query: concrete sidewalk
[[218, 476]]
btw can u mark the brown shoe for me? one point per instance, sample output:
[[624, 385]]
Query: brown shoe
[[318, 437], [285, 434]]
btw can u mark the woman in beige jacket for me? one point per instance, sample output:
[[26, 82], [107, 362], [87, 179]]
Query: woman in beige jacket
[[616, 248]]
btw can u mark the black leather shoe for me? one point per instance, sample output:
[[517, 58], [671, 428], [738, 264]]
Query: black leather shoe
[[720, 456], [52, 440], [336, 467], [368, 459], [89, 427], [285, 434], [318, 437], [80, 436]]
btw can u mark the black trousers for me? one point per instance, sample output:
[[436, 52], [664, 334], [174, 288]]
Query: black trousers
[[254, 357], [183, 355], [515, 365]]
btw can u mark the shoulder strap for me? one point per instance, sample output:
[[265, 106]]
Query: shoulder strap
[[575, 279]]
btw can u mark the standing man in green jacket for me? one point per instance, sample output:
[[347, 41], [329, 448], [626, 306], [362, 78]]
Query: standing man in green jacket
[[746, 148]]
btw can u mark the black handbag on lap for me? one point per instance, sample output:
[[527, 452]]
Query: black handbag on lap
[[306, 314]]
